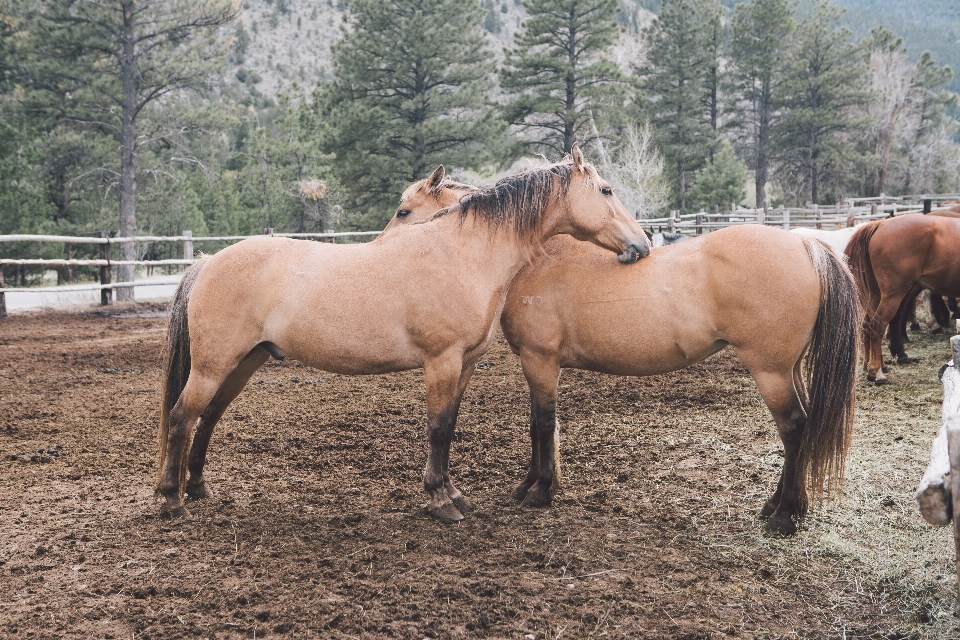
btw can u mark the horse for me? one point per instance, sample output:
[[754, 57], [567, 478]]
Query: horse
[[892, 259], [788, 306], [424, 296]]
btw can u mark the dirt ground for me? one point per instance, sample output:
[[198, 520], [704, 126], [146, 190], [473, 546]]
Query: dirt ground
[[317, 529]]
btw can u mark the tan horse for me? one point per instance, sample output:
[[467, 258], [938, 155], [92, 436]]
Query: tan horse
[[427, 295], [774, 297]]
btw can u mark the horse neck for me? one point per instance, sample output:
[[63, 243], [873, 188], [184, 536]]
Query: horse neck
[[497, 253]]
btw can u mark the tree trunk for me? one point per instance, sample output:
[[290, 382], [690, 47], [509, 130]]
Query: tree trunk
[[128, 177], [763, 144], [569, 115]]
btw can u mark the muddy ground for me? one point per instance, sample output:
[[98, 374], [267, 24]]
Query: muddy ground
[[316, 527]]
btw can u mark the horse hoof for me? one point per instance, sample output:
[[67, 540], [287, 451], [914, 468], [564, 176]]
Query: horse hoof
[[445, 513], [885, 369], [871, 377], [521, 491], [538, 498], [780, 527], [767, 510], [937, 331], [462, 505], [881, 381], [198, 492], [914, 326], [906, 360], [174, 513]]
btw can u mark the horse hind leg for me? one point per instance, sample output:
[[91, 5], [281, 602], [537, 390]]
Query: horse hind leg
[[197, 488], [193, 401], [779, 393]]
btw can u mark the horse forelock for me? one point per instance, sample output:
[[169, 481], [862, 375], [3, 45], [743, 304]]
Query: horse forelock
[[520, 201]]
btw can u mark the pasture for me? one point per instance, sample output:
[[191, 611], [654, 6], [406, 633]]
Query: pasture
[[317, 526]]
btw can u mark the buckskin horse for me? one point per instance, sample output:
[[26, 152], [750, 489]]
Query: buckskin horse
[[424, 296], [787, 305], [889, 258]]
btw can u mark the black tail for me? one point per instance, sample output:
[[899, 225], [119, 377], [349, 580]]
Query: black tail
[[176, 354]]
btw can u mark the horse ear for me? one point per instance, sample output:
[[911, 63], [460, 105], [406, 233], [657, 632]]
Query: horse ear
[[577, 156], [435, 178]]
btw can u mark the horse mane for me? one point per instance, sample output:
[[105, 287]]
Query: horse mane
[[435, 191], [518, 202]]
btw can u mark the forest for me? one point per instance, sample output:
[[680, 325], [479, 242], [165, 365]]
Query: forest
[[149, 117]]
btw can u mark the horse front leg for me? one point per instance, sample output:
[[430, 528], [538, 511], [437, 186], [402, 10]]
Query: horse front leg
[[543, 478], [446, 380]]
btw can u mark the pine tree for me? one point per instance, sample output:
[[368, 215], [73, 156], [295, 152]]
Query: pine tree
[[930, 101], [719, 184], [822, 83], [760, 32], [556, 73], [102, 65], [677, 84], [410, 89]]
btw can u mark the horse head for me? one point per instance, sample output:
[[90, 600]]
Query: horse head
[[424, 198]]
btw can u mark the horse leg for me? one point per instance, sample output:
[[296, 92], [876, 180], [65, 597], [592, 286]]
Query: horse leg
[[952, 306], [196, 486], [196, 396], [445, 384], [898, 329], [456, 497], [543, 478], [886, 311], [779, 393], [940, 312]]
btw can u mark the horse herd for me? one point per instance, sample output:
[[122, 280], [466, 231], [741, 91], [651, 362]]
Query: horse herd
[[536, 252]]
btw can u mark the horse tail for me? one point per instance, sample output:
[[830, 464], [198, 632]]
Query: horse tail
[[858, 259], [176, 354], [828, 382]]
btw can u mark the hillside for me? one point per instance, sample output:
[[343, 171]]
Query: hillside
[[284, 41]]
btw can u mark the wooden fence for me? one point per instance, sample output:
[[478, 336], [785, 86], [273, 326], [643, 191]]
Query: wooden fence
[[106, 263], [846, 214]]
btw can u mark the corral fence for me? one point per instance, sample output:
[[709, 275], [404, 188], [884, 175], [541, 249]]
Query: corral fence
[[850, 212], [106, 263]]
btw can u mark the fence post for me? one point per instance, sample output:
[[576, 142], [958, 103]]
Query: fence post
[[786, 217], [762, 214], [268, 231], [672, 222], [699, 223], [927, 205], [873, 210], [3, 297], [106, 295], [188, 245], [819, 214]]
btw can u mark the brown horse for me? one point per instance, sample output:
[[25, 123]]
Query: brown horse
[[427, 295], [770, 294], [888, 259]]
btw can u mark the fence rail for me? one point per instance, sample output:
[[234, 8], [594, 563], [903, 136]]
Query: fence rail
[[105, 286], [851, 212]]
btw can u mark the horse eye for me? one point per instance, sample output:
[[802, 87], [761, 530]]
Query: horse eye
[[607, 191], [403, 213]]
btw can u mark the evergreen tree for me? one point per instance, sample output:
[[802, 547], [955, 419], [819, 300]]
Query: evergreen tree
[[719, 184], [556, 73], [677, 83], [760, 33], [822, 83], [102, 65], [410, 89]]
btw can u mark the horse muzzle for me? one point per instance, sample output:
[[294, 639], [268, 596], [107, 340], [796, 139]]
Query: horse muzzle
[[634, 252]]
